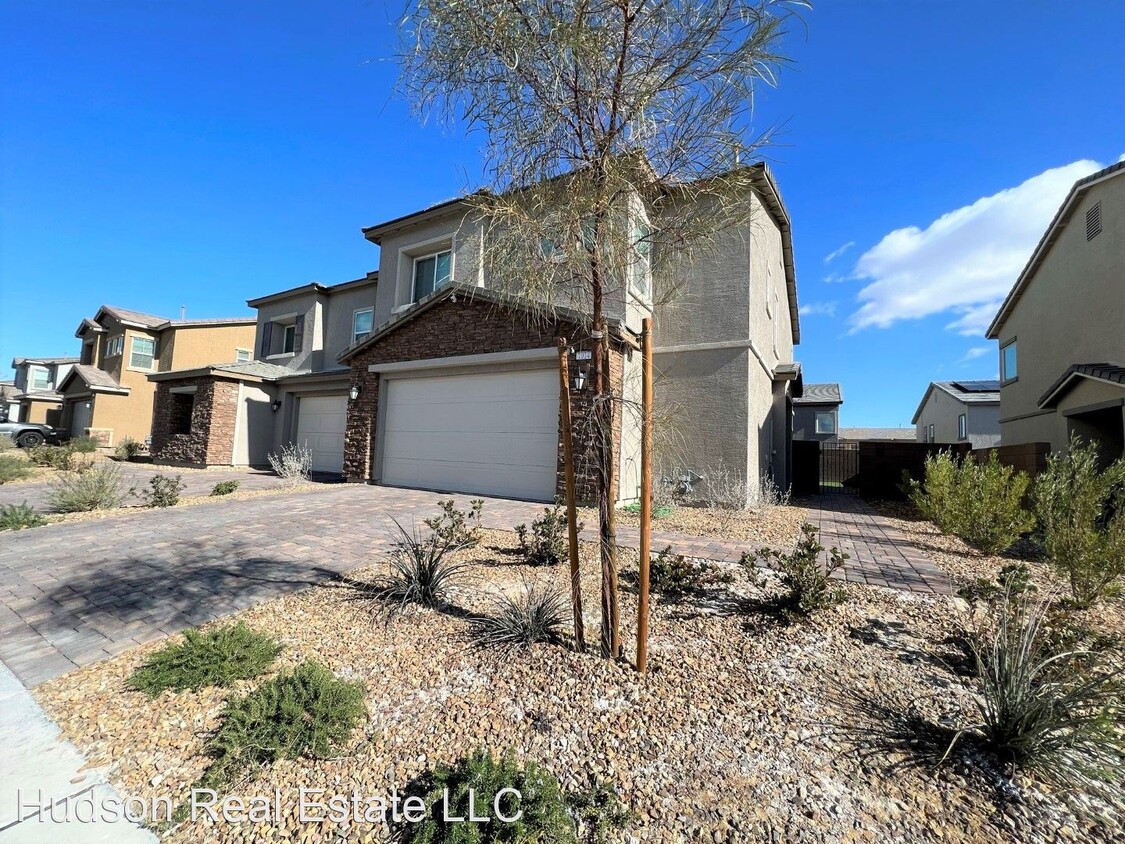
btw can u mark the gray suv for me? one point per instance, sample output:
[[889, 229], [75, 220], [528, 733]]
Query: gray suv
[[29, 434]]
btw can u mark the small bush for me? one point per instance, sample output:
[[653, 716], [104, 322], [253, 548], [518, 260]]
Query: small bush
[[600, 813], [19, 516], [1012, 582], [84, 445], [673, 574], [100, 487], [6, 443], [216, 658], [128, 448], [12, 469], [53, 456], [982, 503], [458, 528], [294, 464], [1056, 714], [544, 820], [308, 713], [163, 491], [548, 542], [421, 571], [224, 488], [807, 582], [1081, 511], [538, 614]]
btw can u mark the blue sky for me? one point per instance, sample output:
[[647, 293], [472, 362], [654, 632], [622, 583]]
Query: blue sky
[[159, 154]]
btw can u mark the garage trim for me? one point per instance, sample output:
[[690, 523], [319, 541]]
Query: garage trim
[[467, 361]]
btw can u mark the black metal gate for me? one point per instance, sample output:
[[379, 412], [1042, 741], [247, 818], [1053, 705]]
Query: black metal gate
[[839, 468]]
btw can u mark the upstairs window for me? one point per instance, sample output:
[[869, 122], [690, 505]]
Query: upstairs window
[[1008, 368], [40, 378], [142, 353], [431, 272], [962, 427], [289, 339], [114, 346], [241, 355], [825, 422], [282, 336], [362, 322]]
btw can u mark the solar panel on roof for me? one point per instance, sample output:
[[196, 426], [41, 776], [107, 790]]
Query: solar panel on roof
[[977, 386]]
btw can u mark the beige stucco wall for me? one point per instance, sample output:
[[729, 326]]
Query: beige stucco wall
[[943, 410], [254, 426], [193, 346], [1070, 312]]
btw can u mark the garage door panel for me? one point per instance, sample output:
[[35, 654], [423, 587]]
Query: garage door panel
[[321, 421], [492, 433]]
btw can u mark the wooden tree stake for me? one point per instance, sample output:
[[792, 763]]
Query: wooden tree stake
[[571, 511], [646, 492]]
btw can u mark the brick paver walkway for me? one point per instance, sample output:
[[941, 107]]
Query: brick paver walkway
[[76, 593]]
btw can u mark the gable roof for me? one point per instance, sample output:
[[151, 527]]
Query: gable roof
[[136, 319], [1105, 372], [966, 392], [251, 370], [98, 380], [1047, 241], [43, 361], [820, 394], [371, 278]]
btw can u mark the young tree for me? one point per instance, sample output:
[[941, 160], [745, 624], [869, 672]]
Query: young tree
[[614, 133]]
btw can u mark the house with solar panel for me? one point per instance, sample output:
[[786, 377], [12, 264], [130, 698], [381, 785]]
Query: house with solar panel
[[959, 412]]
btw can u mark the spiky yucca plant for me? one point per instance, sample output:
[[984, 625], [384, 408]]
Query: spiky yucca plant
[[538, 614], [422, 570]]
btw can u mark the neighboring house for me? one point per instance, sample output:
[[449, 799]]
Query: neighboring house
[[9, 404], [107, 394], [816, 413], [959, 412], [1062, 346], [856, 435], [456, 388], [36, 389], [291, 389]]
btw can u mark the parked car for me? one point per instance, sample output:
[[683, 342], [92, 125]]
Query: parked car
[[29, 434]]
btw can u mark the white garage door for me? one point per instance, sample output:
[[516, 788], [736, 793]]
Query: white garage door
[[493, 434], [320, 423]]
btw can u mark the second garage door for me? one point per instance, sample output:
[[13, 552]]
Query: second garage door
[[320, 424], [493, 433]]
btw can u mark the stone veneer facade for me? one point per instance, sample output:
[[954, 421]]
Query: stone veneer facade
[[213, 416], [466, 328]]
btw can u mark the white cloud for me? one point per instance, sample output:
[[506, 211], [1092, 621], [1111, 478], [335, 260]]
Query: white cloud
[[814, 308], [975, 352], [965, 261], [832, 256]]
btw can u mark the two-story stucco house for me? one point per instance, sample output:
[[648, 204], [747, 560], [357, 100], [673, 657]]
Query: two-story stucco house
[[34, 391], [1060, 329], [816, 413], [290, 389], [107, 394], [959, 412]]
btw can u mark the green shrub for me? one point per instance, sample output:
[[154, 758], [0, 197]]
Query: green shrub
[[673, 574], [128, 448], [308, 713], [12, 468], [456, 527], [1056, 714], [100, 487], [1012, 582], [84, 445], [163, 491], [539, 614], [1081, 512], [548, 542], [982, 503], [658, 512], [806, 580], [224, 488], [600, 813], [216, 658], [421, 571], [19, 516], [544, 820], [53, 456]]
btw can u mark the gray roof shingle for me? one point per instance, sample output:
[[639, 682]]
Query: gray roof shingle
[[821, 394], [1110, 372]]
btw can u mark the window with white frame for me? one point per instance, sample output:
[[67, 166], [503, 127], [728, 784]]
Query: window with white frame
[[289, 339], [431, 272], [1008, 367], [40, 378], [825, 422], [962, 427], [114, 346], [241, 355], [362, 322], [930, 433], [142, 352]]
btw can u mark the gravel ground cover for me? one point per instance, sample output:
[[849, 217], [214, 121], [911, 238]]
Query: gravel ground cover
[[769, 526], [744, 729]]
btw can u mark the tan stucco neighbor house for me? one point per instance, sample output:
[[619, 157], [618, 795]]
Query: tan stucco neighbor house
[[107, 394], [34, 392], [1061, 329], [425, 375], [959, 412]]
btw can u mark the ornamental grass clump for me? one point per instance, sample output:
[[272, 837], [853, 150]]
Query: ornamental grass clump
[[293, 464], [60, 457], [218, 657], [19, 516], [1081, 512], [13, 469], [540, 613], [96, 487]]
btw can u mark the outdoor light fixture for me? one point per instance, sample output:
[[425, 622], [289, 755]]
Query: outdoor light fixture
[[580, 380], [353, 393], [275, 405]]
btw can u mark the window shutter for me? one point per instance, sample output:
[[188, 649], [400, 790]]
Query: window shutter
[[267, 338], [299, 334]]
